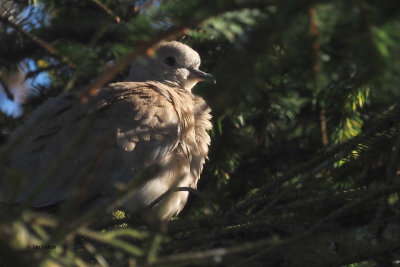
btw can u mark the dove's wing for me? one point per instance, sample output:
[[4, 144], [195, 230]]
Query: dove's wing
[[84, 151], [126, 128]]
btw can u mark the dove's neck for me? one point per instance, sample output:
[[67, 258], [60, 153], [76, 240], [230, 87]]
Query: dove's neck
[[139, 73]]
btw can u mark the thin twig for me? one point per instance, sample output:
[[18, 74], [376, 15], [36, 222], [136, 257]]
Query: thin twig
[[325, 159], [147, 48], [92, 249], [107, 10], [45, 45], [125, 246], [266, 245], [211, 255], [314, 35], [318, 225], [143, 48]]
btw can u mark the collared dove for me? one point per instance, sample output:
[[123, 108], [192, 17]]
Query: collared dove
[[153, 118]]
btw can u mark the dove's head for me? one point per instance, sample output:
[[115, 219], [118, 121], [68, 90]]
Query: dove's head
[[173, 63]]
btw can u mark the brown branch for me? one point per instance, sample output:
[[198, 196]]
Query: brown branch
[[314, 35], [107, 10], [334, 154], [338, 247], [45, 45], [143, 48], [324, 131], [331, 246], [148, 47]]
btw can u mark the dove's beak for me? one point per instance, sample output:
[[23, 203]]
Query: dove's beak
[[199, 75]]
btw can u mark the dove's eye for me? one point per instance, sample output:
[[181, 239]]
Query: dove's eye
[[170, 61]]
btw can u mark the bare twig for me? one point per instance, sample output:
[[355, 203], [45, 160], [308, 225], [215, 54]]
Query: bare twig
[[107, 10], [211, 255], [103, 238], [323, 160], [318, 225], [314, 34], [324, 131], [147, 48], [143, 48], [100, 259], [45, 45]]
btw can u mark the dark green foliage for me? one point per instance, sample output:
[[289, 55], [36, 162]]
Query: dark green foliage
[[304, 163]]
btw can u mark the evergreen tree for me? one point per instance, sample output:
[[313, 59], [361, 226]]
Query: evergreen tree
[[304, 161]]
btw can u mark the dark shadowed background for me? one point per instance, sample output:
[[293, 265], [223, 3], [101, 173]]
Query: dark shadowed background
[[304, 162]]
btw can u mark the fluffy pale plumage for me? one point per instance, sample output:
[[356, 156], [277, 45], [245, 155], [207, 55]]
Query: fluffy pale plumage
[[133, 126]]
